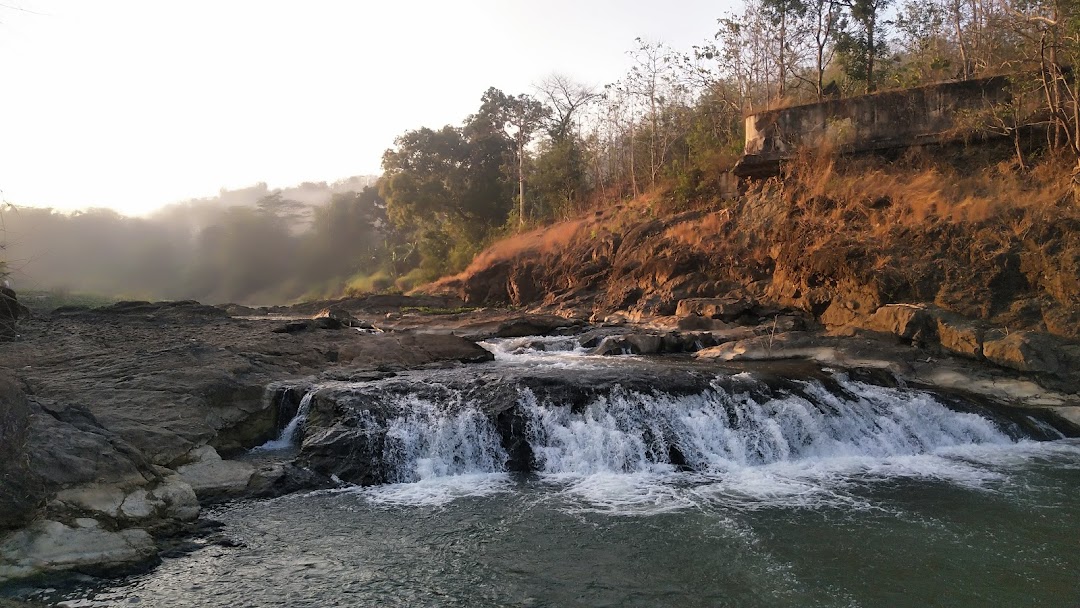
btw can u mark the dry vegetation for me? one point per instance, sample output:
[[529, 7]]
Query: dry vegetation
[[972, 235]]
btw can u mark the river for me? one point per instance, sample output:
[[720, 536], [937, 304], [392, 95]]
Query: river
[[835, 493]]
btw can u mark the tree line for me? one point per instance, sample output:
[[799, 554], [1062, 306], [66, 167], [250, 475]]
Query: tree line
[[676, 118], [263, 250], [674, 122]]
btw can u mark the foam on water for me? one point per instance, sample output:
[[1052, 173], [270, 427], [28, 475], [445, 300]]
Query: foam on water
[[627, 452], [437, 491], [557, 352]]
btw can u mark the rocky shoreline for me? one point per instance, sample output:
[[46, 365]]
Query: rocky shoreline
[[119, 424]]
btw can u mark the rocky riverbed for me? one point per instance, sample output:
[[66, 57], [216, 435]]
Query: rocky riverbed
[[119, 424]]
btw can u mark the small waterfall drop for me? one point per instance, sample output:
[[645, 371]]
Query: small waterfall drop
[[719, 431], [289, 436], [427, 441], [725, 428]]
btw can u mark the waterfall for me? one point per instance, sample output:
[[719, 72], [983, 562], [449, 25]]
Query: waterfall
[[428, 441], [620, 431], [290, 435], [718, 430]]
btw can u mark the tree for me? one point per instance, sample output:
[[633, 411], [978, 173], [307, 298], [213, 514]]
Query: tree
[[451, 186], [566, 99], [522, 116], [824, 17], [784, 13], [864, 46]]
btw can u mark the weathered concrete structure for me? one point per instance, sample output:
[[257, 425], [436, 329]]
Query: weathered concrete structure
[[931, 114]]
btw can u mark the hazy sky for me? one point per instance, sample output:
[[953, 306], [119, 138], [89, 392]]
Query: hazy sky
[[135, 104]]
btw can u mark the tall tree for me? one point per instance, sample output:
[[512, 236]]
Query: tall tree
[[522, 116], [567, 99], [824, 18], [785, 14], [864, 45]]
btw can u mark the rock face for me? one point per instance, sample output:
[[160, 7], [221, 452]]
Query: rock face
[[959, 336], [212, 478], [124, 418], [833, 260], [906, 321], [21, 488], [943, 331], [1025, 351]]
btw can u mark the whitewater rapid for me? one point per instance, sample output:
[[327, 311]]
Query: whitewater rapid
[[637, 452]]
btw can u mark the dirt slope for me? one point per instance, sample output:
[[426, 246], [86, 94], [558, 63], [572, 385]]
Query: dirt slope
[[1007, 256]]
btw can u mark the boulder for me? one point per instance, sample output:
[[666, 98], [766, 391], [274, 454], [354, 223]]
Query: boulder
[[177, 497], [173, 310], [593, 338], [958, 335], [696, 322], [336, 318], [170, 499], [518, 327], [48, 546], [725, 309], [789, 345], [239, 310], [103, 499], [293, 327], [909, 322], [629, 344], [212, 478], [1026, 351], [733, 334], [839, 315]]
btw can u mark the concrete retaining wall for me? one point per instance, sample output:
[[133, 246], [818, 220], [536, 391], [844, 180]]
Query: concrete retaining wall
[[929, 114]]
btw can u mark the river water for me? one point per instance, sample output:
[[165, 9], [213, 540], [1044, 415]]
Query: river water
[[854, 495]]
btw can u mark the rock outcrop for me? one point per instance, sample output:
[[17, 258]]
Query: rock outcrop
[[115, 423]]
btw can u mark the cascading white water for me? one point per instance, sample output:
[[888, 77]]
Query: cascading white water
[[716, 431], [558, 352], [429, 441], [712, 432], [288, 436]]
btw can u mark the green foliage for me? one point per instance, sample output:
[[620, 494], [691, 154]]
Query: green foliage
[[448, 191], [863, 45], [50, 299], [558, 178], [376, 282], [413, 279]]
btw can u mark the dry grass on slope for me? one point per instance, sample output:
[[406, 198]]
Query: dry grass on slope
[[984, 240]]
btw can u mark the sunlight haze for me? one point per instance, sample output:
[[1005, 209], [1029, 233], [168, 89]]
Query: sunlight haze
[[132, 105]]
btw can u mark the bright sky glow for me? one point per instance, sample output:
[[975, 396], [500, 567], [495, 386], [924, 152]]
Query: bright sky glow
[[132, 104]]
